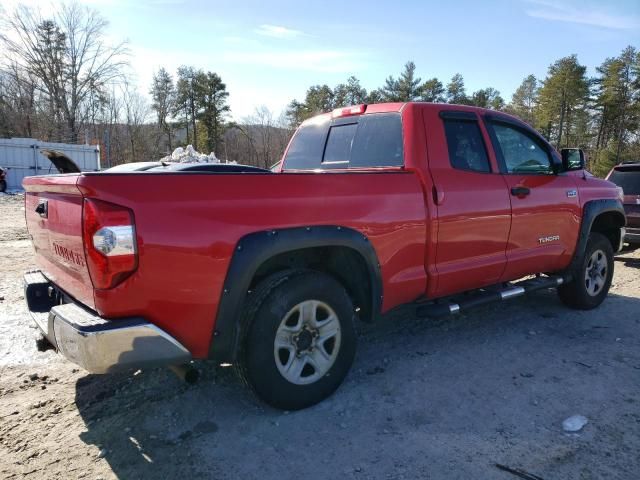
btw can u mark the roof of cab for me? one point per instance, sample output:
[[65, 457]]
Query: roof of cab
[[400, 106]]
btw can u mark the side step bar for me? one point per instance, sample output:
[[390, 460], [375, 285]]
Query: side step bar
[[442, 308]]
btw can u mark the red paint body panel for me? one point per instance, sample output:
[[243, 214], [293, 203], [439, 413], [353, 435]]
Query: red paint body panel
[[435, 230], [188, 225], [57, 239], [546, 211]]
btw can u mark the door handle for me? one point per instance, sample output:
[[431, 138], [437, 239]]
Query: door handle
[[520, 191]]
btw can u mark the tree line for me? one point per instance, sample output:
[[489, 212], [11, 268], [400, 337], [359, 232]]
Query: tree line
[[406, 88], [600, 114], [61, 79]]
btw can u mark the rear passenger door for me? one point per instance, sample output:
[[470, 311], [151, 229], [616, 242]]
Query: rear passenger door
[[472, 201], [545, 211]]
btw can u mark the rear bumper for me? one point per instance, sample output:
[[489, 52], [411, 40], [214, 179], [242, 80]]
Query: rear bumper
[[92, 342], [632, 235]]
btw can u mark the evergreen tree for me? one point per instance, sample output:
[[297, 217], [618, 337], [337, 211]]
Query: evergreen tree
[[564, 94], [350, 93], [212, 98], [456, 92], [524, 100], [163, 95], [617, 103], [487, 98], [432, 90], [319, 99], [406, 88], [187, 91], [375, 96], [296, 113]]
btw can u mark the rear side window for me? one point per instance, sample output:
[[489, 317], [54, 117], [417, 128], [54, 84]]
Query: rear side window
[[358, 142], [466, 146], [628, 180]]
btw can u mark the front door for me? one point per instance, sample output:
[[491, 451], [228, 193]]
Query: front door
[[545, 209]]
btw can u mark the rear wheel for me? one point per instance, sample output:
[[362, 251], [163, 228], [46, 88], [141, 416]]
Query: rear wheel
[[3, 185], [300, 339], [592, 278]]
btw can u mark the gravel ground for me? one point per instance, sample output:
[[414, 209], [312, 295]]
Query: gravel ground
[[448, 399]]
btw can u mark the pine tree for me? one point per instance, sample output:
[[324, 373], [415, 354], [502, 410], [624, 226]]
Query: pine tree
[[212, 98], [296, 113], [456, 92], [564, 93], [163, 95], [487, 98], [350, 93], [187, 88], [432, 90], [617, 103], [406, 88], [319, 99], [524, 100]]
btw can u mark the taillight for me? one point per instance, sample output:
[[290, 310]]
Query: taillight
[[347, 111], [109, 242]]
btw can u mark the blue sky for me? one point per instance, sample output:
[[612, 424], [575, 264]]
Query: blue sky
[[271, 52]]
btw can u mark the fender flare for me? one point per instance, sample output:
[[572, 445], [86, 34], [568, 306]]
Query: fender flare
[[591, 210], [254, 249]]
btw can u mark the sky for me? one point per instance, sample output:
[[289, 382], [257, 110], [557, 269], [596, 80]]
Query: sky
[[269, 53]]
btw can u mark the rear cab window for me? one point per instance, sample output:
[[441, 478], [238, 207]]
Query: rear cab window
[[362, 141]]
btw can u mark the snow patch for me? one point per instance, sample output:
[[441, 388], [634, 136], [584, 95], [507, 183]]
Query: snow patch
[[190, 155]]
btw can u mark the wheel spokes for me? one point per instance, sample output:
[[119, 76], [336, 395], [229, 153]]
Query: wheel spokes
[[307, 342], [295, 365], [328, 329]]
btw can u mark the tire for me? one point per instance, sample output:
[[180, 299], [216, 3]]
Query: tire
[[300, 339], [592, 278], [3, 185]]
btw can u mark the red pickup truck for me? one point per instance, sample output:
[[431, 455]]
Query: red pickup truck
[[372, 206]]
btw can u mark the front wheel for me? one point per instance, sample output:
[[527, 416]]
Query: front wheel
[[592, 278], [300, 339], [3, 185]]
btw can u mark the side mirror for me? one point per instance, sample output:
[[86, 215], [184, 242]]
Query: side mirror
[[572, 159]]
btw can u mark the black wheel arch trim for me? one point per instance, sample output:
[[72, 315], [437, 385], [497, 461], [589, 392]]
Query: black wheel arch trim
[[591, 210], [254, 249]]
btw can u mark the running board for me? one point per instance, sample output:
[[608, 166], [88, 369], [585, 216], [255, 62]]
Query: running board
[[459, 303]]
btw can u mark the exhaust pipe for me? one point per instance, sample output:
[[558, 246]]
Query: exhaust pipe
[[185, 372]]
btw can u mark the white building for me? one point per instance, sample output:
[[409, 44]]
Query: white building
[[21, 157]]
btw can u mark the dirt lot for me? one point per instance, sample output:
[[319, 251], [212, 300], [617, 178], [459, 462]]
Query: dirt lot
[[425, 399]]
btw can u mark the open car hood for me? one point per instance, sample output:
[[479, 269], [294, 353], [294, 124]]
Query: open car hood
[[62, 163]]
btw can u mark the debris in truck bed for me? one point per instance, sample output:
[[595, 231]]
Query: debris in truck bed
[[190, 155]]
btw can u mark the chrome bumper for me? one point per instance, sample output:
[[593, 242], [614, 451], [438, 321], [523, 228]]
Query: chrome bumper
[[94, 343], [632, 235]]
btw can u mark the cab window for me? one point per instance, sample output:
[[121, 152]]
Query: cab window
[[521, 152], [466, 146]]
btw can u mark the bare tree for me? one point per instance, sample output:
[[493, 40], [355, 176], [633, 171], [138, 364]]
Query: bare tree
[[68, 56], [270, 135], [137, 112]]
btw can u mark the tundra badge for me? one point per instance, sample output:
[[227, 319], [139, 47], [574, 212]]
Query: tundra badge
[[550, 238]]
